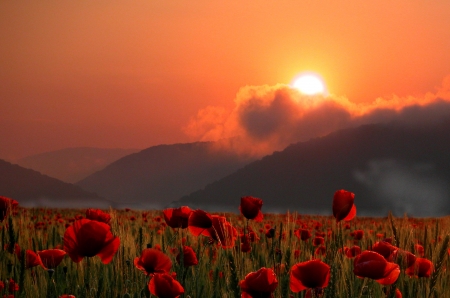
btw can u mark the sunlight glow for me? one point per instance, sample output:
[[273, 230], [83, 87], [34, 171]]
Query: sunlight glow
[[309, 84]]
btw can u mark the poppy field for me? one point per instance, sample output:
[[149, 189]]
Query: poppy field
[[184, 252]]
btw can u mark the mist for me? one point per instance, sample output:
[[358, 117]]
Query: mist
[[405, 188]]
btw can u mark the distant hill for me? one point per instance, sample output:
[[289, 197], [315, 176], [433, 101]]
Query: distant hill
[[154, 177], [31, 188], [73, 164], [388, 166]]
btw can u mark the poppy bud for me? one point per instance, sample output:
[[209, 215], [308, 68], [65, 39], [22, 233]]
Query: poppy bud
[[251, 208], [50, 272], [270, 233], [343, 207]]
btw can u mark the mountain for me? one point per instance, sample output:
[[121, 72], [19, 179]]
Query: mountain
[[31, 189], [73, 164], [390, 167], [154, 177]]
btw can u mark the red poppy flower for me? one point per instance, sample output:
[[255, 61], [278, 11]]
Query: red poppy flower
[[98, 215], [163, 285], [13, 286], [177, 217], [5, 205], [252, 236], [309, 275], [251, 208], [358, 234], [320, 251], [51, 257], [343, 250], [318, 241], [419, 250], [32, 259], [221, 230], [88, 238], [67, 296], [421, 268], [13, 249], [408, 258], [189, 257], [270, 233], [261, 283], [153, 261], [303, 234], [343, 207], [245, 244], [373, 265], [199, 221], [353, 251], [385, 249], [380, 235]]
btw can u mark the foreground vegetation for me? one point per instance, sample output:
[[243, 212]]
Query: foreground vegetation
[[218, 265]]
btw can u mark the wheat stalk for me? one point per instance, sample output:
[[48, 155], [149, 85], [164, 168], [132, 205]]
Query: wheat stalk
[[438, 266]]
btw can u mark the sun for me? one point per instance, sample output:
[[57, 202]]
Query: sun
[[309, 84]]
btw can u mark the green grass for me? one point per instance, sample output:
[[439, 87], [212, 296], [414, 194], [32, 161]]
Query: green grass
[[219, 270]]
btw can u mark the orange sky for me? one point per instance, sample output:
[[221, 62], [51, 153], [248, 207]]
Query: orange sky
[[115, 74]]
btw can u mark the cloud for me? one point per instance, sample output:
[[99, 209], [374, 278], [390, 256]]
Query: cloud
[[208, 125], [268, 118]]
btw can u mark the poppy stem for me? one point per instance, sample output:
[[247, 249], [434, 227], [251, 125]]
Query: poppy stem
[[248, 232], [362, 287], [272, 252]]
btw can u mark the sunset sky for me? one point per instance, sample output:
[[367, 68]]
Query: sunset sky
[[133, 74]]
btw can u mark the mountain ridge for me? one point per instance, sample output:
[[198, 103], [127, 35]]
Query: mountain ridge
[[74, 163], [304, 175], [31, 188], [160, 174]]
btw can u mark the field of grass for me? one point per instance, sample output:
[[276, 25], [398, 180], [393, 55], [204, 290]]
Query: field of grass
[[220, 270]]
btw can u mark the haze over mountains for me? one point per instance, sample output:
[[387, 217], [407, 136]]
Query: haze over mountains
[[154, 177], [31, 189], [390, 167], [73, 164]]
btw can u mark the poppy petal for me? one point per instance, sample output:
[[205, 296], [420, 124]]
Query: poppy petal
[[70, 244], [32, 259], [309, 274], [391, 274], [351, 214], [109, 250], [51, 258], [199, 221], [164, 286]]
